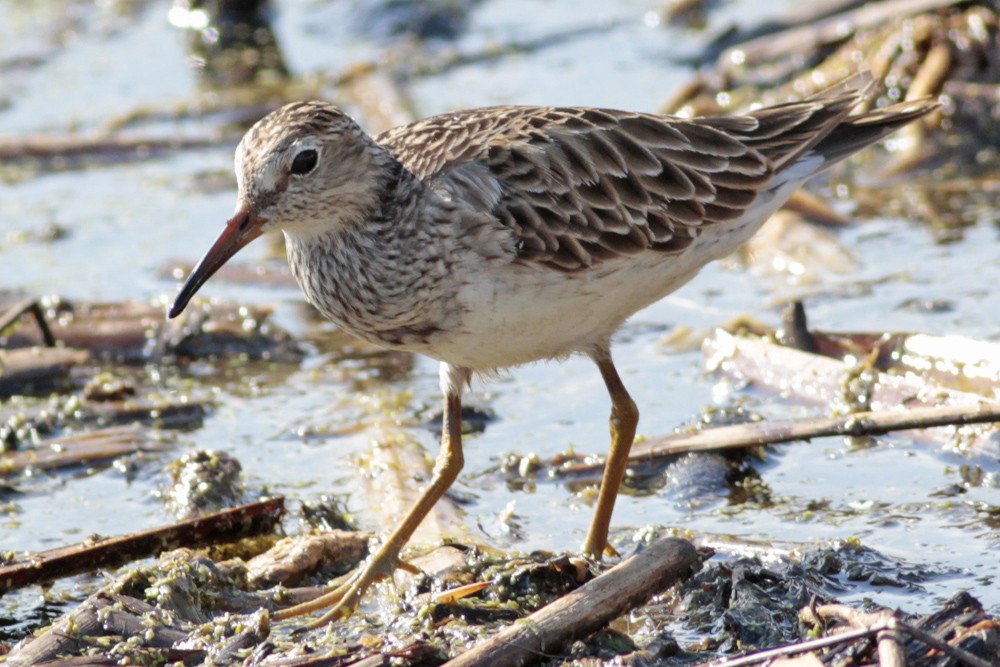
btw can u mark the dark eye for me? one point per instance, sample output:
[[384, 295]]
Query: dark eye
[[304, 162]]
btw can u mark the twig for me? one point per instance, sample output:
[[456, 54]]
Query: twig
[[877, 629], [786, 430], [250, 519], [881, 624], [943, 646], [14, 313], [588, 608], [791, 649]]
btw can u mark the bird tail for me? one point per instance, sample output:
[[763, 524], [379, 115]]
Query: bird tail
[[857, 132], [822, 126]]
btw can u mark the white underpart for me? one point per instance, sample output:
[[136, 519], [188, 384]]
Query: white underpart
[[529, 313]]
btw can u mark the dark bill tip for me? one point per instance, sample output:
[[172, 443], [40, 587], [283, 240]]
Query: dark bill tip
[[240, 230], [181, 302]]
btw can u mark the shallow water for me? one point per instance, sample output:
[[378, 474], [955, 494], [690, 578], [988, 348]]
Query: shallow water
[[79, 67]]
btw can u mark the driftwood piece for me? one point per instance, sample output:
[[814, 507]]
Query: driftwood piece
[[135, 332], [250, 519], [292, 558], [178, 413], [819, 380], [23, 369], [785, 430], [588, 608], [106, 415], [955, 362], [79, 449]]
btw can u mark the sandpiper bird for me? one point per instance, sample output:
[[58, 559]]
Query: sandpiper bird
[[493, 237]]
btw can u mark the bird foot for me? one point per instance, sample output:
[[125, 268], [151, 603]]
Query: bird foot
[[596, 552], [344, 599]]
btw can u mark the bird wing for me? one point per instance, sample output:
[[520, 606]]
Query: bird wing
[[577, 186]]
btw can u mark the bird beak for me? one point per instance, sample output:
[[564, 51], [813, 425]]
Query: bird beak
[[240, 230]]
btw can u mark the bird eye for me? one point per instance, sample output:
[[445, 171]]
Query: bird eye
[[304, 162]]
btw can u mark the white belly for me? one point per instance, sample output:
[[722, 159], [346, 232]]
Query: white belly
[[517, 314], [514, 314]]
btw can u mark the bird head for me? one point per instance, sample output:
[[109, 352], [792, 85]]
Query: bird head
[[301, 169]]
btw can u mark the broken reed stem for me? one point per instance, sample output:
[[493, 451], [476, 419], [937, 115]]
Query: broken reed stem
[[587, 609]]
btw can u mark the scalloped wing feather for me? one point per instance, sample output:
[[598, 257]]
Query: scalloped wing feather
[[577, 186]]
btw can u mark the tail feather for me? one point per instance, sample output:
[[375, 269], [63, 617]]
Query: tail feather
[[857, 132], [822, 127]]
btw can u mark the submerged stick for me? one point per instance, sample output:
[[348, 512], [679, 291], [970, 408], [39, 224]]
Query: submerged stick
[[588, 608], [79, 449], [250, 519]]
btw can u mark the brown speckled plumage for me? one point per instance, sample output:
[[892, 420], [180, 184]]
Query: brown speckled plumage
[[493, 237]]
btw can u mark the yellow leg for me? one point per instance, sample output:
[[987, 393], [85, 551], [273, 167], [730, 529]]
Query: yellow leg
[[624, 418], [344, 599]]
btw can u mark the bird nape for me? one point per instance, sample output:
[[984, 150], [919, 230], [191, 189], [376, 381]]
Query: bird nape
[[494, 237]]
